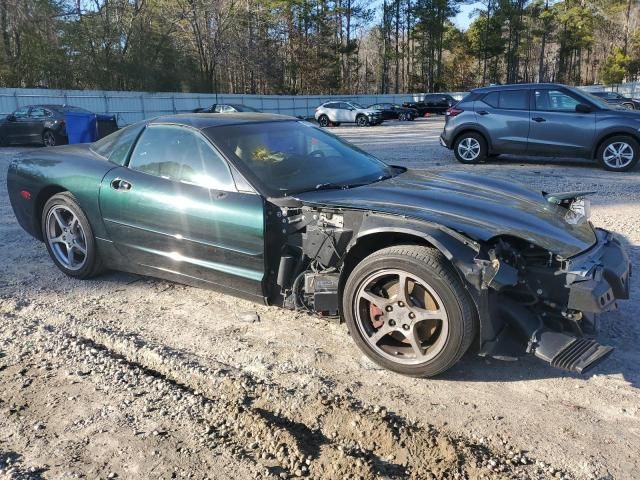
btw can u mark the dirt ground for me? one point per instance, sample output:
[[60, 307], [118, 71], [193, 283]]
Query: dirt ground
[[132, 377]]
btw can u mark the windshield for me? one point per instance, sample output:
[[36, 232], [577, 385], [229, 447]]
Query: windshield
[[284, 158]]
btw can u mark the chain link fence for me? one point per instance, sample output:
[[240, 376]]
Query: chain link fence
[[130, 107]]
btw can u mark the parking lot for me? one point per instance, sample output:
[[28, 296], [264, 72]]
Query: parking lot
[[131, 377]]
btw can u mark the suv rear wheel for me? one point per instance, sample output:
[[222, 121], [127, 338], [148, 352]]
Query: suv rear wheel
[[470, 148], [323, 120], [619, 153]]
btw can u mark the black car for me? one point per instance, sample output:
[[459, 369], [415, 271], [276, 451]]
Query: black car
[[432, 103], [41, 124], [617, 99], [391, 111], [225, 108]]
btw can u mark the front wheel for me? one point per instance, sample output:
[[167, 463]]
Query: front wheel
[[619, 154], [323, 121], [362, 121], [470, 148], [408, 311], [69, 237], [402, 117]]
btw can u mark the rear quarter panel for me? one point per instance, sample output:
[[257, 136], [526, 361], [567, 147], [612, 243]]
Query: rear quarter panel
[[43, 172]]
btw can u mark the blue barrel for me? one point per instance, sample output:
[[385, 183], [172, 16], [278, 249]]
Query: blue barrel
[[81, 127]]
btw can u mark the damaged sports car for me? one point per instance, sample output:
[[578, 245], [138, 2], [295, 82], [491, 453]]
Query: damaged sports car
[[421, 266]]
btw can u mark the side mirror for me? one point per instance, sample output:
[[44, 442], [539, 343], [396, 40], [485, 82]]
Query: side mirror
[[583, 108], [11, 117]]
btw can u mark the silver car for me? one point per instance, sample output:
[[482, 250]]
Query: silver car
[[542, 119], [337, 112]]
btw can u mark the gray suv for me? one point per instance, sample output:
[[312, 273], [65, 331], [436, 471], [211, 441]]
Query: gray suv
[[541, 119]]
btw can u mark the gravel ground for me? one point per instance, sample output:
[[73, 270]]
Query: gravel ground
[[132, 377]]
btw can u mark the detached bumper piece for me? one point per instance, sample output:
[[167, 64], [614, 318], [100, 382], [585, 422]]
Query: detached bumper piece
[[570, 353]]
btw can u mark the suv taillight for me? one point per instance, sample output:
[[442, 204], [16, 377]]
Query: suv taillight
[[453, 111]]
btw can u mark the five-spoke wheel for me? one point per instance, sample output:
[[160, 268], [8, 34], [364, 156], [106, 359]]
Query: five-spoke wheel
[[401, 316], [69, 237], [408, 311]]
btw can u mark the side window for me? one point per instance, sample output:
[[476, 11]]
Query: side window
[[21, 112], [37, 112], [492, 99], [555, 101], [218, 109], [514, 99], [124, 142], [181, 155]]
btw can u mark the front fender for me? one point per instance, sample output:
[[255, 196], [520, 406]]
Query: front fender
[[460, 250]]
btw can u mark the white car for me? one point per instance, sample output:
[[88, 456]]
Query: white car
[[337, 112]]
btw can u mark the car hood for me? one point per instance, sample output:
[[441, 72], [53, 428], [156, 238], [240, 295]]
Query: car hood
[[479, 207]]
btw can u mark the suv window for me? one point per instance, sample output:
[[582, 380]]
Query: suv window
[[332, 105], [182, 155], [555, 101], [514, 99], [508, 99]]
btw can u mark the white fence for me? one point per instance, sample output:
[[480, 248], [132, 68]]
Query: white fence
[[131, 107]]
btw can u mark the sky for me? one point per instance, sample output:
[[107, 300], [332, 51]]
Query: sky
[[462, 20]]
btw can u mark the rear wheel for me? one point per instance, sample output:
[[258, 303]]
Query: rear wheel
[[402, 117], [323, 121], [69, 237], [619, 153], [362, 121], [408, 311], [470, 148], [49, 138], [629, 106]]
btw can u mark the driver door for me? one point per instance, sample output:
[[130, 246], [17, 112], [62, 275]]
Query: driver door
[[175, 211]]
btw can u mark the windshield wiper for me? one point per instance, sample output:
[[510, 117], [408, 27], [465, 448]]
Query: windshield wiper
[[345, 186]]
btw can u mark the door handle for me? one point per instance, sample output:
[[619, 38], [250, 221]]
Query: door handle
[[483, 112], [119, 184], [538, 119], [221, 195]]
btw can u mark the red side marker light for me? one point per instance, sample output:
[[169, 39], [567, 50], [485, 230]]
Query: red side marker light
[[25, 194]]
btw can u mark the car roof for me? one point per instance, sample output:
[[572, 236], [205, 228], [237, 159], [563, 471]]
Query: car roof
[[512, 86], [208, 120]]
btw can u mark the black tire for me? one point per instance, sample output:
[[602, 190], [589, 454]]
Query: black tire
[[49, 138], [629, 149], [402, 117], [362, 121], [412, 118], [323, 121], [91, 263], [431, 266], [470, 147], [629, 106]]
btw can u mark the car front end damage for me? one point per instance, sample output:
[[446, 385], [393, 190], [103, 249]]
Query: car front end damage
[[529, 300], [550, 303]]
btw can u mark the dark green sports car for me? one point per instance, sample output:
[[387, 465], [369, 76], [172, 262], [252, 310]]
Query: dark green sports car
[[419, 265]]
